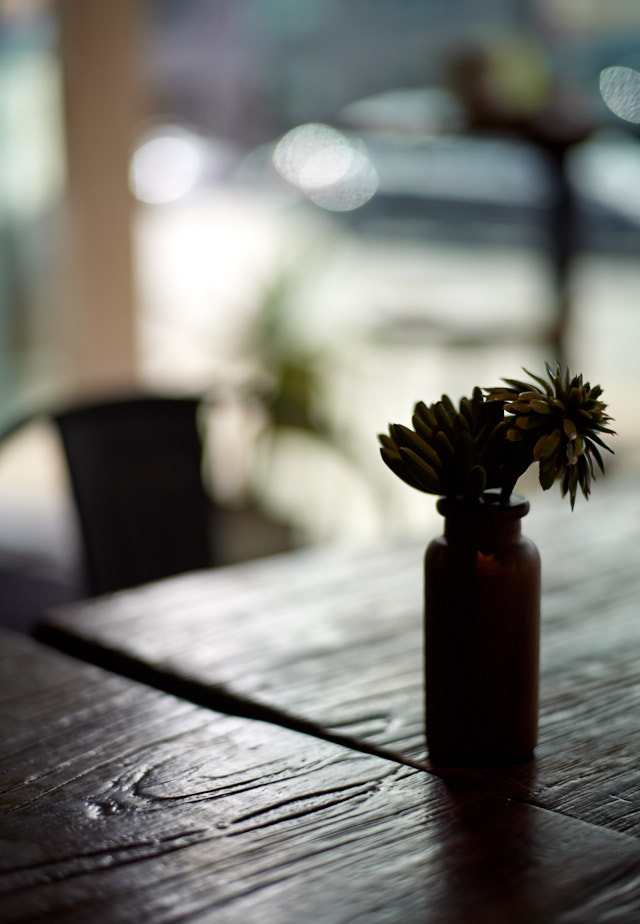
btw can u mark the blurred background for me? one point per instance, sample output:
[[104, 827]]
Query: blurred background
[[317, 212]]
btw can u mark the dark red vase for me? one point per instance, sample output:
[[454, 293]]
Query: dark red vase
[[482, 635]]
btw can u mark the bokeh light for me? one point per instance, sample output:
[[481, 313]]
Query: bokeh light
[[620, 89], [166, 165], [332, 171]]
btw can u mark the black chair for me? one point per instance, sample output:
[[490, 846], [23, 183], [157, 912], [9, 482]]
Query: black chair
[[135, 469]]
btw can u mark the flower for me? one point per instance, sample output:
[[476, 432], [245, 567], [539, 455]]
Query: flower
[[491, 439], [558, 425]]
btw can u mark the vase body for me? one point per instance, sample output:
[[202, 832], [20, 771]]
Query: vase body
[[482, 636]]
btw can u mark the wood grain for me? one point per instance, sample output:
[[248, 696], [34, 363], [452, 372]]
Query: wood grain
[[336, 636], [122, 804]]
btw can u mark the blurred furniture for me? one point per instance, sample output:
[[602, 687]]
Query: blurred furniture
[[135, 470], [134, 467], [260, 822]]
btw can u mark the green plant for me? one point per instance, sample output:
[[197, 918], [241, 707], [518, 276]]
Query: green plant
[[492, 438]]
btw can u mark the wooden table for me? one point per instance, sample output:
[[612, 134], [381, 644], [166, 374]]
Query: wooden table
[[269, 823]]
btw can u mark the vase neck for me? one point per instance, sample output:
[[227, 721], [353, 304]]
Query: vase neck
[[473, 524]]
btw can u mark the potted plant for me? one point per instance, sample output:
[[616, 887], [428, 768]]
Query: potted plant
[[482, 577]]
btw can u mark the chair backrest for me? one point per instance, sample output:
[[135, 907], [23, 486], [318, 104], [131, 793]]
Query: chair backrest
[[135, 467]]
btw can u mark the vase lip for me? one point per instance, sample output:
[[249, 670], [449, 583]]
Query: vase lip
[[515, 506]]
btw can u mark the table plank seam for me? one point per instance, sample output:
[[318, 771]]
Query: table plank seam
[[212, 696]]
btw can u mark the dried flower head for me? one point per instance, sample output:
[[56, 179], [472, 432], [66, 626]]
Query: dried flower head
[[556, 424]]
